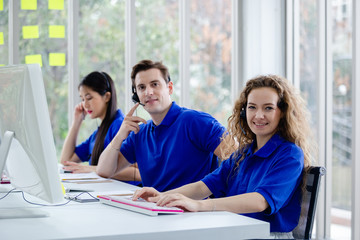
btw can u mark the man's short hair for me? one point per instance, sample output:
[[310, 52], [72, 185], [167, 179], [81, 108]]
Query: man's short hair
[[144, 65]]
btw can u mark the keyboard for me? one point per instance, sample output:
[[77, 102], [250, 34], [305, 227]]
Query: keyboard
[[140, 206]]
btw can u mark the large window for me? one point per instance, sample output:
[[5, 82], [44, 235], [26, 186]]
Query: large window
[[102, 47], [342, 117], [308, 56], [341, 101], [42, 40], [210, 57], [4, 50]]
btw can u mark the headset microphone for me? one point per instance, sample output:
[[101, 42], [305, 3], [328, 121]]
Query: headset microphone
[[242, 116], [135, 97]]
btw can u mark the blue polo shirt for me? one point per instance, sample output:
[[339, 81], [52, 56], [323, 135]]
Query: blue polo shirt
[[274, 171], [84, 150], [176, 152]]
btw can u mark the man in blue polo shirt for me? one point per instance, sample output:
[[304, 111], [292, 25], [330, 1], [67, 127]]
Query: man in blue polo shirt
[[175, 147]]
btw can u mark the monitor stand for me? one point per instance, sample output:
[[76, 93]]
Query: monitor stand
[[14, 212], [4, 148]]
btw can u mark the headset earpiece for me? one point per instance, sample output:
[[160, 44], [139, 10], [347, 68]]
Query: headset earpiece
[[243, 113], [281, 104], [242, 116], [107, 81], [135, 98]]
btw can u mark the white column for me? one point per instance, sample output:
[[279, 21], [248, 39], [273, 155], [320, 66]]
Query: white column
[[263, 37], [130, 49], [355, 214], [324, 123], [14, 32], [289, 39], [73, 56], [296, 43], [184, 52], [237, 79], [328, 105]]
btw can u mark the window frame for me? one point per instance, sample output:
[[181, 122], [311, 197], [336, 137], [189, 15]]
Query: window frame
[[355, 212]]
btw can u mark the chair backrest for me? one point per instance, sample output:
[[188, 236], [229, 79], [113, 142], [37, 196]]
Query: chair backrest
[[308, 206]]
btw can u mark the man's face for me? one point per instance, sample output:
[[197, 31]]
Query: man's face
[[153, 91]]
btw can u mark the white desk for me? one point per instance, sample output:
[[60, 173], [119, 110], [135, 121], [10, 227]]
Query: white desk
[[99, 221]]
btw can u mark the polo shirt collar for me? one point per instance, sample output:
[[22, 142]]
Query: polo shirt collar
[[119, 113], [170, 117], [268, 148]]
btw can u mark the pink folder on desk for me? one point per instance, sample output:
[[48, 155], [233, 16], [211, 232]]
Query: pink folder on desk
[[140, 206]]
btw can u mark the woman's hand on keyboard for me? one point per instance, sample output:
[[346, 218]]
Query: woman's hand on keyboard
[[180, 201], [148, 193]]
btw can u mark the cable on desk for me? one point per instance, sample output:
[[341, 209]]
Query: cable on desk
[[44, 205], [7, 193]]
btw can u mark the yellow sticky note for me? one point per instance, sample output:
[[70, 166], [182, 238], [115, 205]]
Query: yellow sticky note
[[30, 32], [29, 59], [1, 5], [1, 38], [57, 59], [63, 188], [28, 4], [56, 31], [56, 4]]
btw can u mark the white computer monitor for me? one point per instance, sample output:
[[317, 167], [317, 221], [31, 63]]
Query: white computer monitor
[[27, 144]]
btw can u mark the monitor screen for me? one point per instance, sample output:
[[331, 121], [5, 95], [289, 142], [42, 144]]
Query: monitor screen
[[27, 144]]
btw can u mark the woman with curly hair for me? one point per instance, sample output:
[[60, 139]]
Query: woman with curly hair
[[263, 178]]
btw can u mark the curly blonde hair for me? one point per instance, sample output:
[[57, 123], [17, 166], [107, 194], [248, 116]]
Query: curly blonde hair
[[293, 126]]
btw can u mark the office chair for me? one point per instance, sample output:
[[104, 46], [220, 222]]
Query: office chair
[[304, 228]]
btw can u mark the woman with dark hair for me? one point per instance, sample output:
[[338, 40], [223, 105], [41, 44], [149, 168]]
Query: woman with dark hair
[[98, 95]]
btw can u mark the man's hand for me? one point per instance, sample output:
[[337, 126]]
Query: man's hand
[[130, 123]]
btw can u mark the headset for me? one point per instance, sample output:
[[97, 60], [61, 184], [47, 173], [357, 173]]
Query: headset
[[107, 81], [243, 113], [242, 116], [135, 98]]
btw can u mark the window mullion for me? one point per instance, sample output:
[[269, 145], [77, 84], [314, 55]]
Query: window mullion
[[184, 61], [237, 79], [130, 49], [14, 32], [355, 213], [73, 56], [326, 41], [289, 35]]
